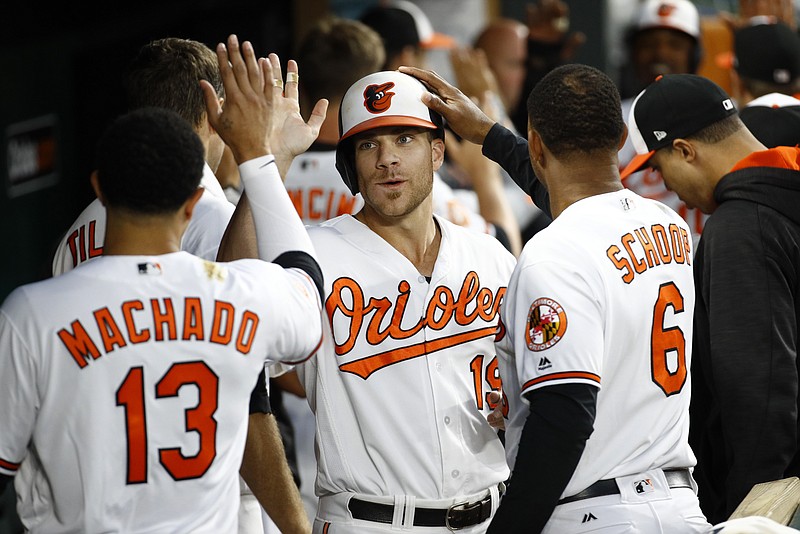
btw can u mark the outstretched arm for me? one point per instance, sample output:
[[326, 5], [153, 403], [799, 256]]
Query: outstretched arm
[[267, 473]]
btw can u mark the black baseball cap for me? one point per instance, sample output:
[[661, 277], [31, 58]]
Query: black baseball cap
[[674, 106], [774, 119], [767, 52]]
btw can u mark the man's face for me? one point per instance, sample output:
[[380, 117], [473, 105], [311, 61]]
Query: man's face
[[684, 178], [395, 166], [507, 58], [661, 51]]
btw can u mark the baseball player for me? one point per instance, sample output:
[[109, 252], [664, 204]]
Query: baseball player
[[180, 63], [174, 63], [335, 53], [400, 388], [665, 38], [130, 377], [599, 325]]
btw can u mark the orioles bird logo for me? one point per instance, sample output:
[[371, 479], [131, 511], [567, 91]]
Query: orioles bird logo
[[665, 10], [377, 97]]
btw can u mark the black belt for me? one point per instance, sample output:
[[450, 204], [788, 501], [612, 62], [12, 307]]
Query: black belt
[[676, 478], [455, 517]]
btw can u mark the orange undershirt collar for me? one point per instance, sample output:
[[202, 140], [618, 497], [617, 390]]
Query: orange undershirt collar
[[782, 157]]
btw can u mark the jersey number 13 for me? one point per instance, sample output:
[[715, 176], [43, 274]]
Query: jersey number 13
[[200, 419]]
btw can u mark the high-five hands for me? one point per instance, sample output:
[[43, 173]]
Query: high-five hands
[[258, 116], [245, 119], [291, 135]]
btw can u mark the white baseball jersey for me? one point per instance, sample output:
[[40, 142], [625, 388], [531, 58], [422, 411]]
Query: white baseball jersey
[[125, 386], [400, 389], [316, 189], [604, 296], [649, 184], [319, 194], [84, 239]]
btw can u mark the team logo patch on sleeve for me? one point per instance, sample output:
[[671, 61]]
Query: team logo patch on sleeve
[[546, 325]]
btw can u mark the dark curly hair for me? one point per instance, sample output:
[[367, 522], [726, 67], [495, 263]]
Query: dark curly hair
[[576, 108], [149, 161]]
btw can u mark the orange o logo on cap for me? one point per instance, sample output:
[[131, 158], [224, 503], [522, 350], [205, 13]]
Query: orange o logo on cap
[[665, 10], [377, 97]]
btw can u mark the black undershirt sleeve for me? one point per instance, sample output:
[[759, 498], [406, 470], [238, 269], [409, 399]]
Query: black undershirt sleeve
[[502, 236], [5, 480], [510, 151], [305, 262], [259, 398], [560, 421]]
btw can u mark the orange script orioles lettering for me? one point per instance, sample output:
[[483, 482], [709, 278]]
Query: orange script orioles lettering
[[473, 302], [139, 321]]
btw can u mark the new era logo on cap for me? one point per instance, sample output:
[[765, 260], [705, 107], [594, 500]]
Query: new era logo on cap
[[675, 106]]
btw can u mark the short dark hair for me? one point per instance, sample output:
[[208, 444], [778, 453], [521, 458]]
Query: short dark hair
[[149, 161], [334, 55], [576, 108], [166, 73], [718, 131]]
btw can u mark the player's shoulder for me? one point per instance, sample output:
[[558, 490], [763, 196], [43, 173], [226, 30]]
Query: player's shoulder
[[484, 245], [338, 227], [95, 211]]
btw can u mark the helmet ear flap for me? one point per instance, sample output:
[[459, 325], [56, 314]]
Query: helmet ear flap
[[345, 164]]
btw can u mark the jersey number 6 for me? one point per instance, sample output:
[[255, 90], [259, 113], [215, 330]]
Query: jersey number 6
[[199, 419], [665, 340]]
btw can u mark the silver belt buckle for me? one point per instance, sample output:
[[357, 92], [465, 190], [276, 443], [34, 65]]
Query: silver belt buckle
[[465, 507]]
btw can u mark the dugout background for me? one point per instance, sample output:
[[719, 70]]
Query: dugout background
[[60, 69]]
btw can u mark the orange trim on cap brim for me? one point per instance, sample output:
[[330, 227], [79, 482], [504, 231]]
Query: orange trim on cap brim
[[725, 60], [439, 40], [389, 120], [636, 164]]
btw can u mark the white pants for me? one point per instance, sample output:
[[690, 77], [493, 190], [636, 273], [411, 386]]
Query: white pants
[[660, 510], [333, 516]]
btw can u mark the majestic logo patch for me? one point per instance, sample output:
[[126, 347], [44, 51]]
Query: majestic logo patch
[[547, 322], [377, 97], [665, 10]]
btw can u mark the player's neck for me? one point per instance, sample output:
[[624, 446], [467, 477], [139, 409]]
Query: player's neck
[[583, 181], [416, 235], [141, 236]]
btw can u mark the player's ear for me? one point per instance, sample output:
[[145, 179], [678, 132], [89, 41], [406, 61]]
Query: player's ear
[[437, 153], [96, 186], [191, 202], [535, 147], [208, 125], [685, 149], [624, 137]]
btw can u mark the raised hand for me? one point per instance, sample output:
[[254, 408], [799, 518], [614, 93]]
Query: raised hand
[[463, 116], [245, 119], [291, 135], [548, 22]]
